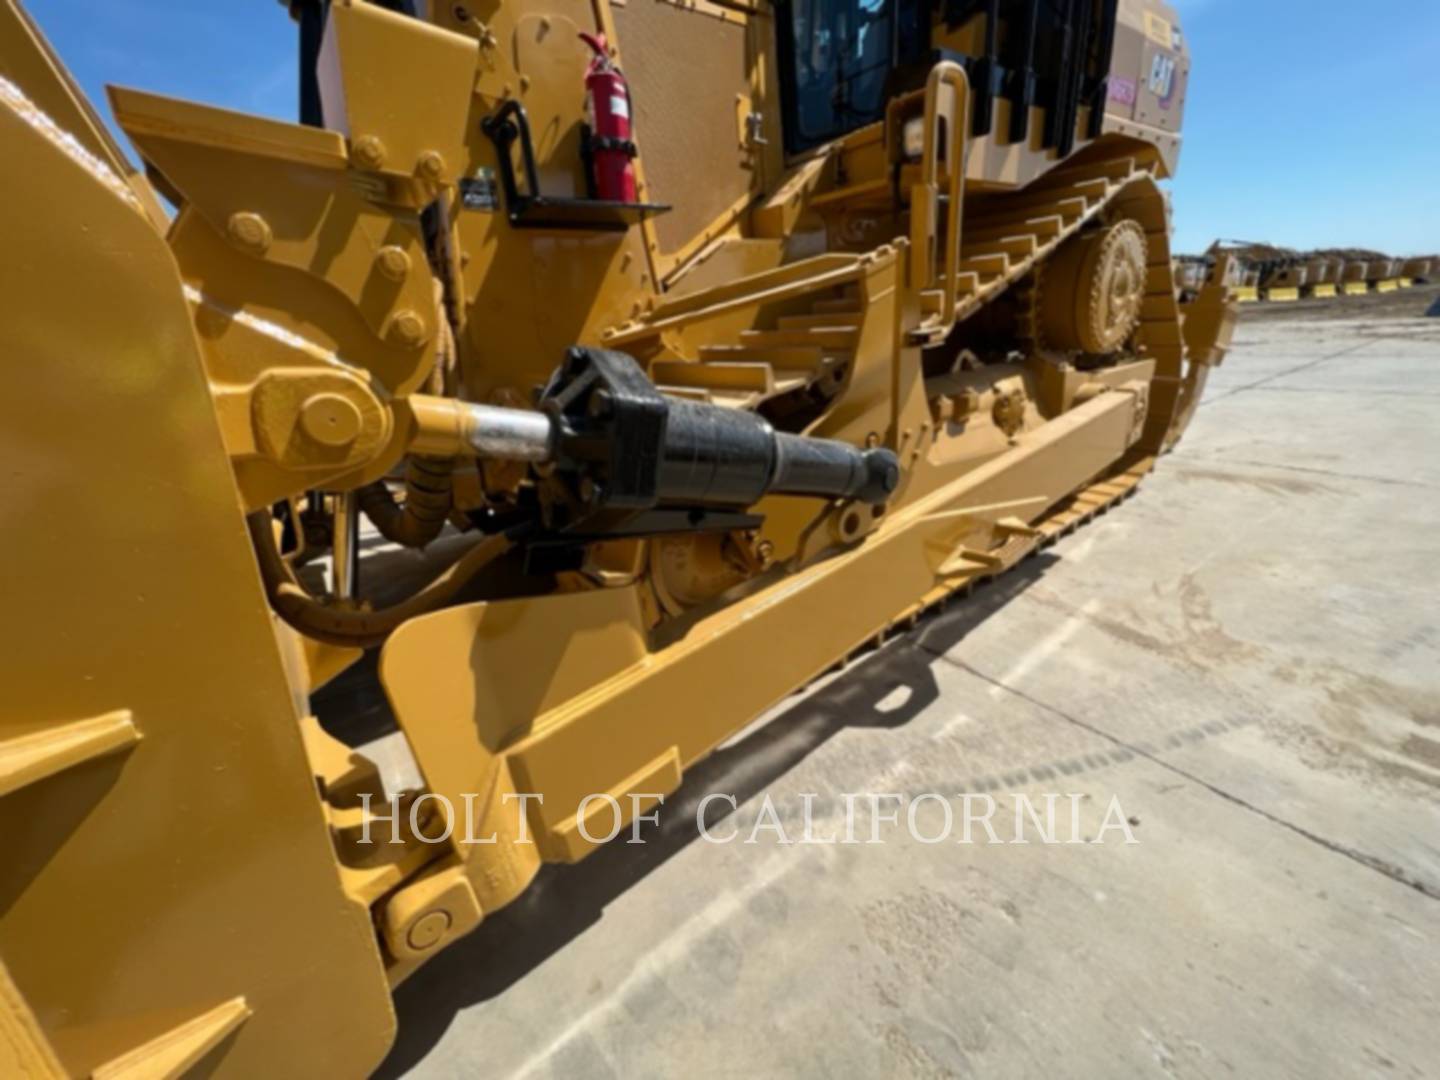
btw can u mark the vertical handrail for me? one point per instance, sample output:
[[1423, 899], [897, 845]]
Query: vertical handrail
[[935, 260]]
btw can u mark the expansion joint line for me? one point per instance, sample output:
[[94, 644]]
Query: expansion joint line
[[1288, 371], [1380, 866]]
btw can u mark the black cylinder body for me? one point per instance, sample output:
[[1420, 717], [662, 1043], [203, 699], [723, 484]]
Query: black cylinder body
[[640, 448], [715, 456], [726, 457], [803, 466]]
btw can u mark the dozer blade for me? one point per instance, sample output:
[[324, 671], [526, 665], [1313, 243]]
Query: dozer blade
[[169, 892]]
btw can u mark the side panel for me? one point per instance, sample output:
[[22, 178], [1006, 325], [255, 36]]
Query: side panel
[[689, 71], [515, 330], [1149, 77]]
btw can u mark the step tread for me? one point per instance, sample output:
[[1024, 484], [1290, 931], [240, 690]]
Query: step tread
[[843, 338], [824, 320], [1016, 248], [794, 356], [845, 305], [986, 265]]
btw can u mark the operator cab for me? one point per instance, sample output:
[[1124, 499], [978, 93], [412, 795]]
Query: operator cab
[[841, 61]]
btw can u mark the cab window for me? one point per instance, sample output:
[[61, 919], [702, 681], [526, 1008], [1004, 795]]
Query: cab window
[[836, 57]]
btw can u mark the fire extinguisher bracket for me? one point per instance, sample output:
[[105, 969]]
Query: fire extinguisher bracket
[[530, 209]]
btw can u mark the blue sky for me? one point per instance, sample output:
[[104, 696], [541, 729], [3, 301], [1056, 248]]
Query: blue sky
[[1312, 123], [239, 54], [1309, 123]]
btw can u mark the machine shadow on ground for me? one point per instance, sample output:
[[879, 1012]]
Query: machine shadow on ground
[[566, 900]]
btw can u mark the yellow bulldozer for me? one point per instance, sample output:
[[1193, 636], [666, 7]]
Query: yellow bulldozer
[[711, 340]]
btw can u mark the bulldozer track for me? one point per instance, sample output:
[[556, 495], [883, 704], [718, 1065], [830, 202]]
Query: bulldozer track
[[1008, 236]]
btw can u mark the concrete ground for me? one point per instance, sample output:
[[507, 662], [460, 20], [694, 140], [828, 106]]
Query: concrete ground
[[1246, 656]]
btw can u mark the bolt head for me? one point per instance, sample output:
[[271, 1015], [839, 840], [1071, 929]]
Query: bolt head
[[330, 419], [427, 931], [408, 329], [368, 152], [250, 231], [393, 262], [431, 165]]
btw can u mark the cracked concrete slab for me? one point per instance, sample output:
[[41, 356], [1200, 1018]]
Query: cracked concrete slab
[[1244, 657]]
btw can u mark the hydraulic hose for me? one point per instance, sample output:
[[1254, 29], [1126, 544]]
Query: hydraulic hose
[[348, 626], [429, 494]]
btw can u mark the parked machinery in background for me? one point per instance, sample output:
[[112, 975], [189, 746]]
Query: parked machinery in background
[[1321, 275], [1191, 274], [1268, 273], [1418, 271]]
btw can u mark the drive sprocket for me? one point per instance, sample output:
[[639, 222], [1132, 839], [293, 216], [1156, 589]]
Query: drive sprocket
[[1091, 292]]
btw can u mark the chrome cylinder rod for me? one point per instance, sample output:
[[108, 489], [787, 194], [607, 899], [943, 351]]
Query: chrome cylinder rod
[[345, 547], [494, 431]]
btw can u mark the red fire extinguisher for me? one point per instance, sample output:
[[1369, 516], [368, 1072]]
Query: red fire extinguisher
[[607, 105]]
